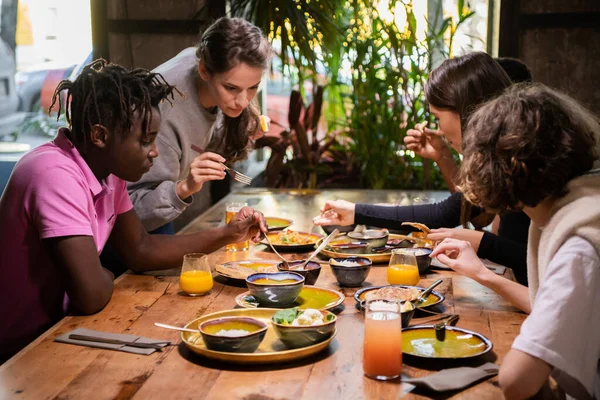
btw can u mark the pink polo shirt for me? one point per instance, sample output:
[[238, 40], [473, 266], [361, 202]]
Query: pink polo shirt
[[51, 193]]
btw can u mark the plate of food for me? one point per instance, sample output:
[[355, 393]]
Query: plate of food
[[239, 270], [223, 326], [289, 240], [397, 292], [347, 247], [277, 224], [310, 297], [420, 341]]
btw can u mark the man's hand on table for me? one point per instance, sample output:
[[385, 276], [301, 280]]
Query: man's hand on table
[[461, 257], [468, 235]]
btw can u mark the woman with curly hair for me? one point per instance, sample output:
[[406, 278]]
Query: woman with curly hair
[[535, 149]]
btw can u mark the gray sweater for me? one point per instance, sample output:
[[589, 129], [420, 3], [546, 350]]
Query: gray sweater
[[186, 122]]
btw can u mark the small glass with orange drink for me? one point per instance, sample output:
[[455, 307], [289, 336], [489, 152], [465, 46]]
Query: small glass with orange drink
[[382, 358], [403, 268], [231, 209], [196, 276]]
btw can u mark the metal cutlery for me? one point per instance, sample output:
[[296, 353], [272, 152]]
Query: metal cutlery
[[238, 176], [440, 328], [286, 265], [325, 242]]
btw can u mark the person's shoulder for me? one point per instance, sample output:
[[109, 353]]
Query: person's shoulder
[[578, 246], [46, 160], [176, 70]]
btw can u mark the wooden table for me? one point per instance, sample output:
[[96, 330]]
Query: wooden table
[[46, 369]]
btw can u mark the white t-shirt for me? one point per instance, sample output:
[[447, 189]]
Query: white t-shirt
[[563, 328]]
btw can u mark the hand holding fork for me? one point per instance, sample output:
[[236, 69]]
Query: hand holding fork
[[246, 180]]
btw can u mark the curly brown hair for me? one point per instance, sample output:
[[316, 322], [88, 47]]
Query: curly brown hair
[[525, 146]]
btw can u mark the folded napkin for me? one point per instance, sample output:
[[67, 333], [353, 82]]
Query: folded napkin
[[121, 342], [454, 378], [496, 268]]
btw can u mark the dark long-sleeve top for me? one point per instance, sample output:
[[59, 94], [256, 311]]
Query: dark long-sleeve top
[[508, 248]]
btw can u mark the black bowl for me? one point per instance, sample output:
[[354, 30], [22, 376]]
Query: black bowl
[[350, 275], [422, 255], [310, 272]]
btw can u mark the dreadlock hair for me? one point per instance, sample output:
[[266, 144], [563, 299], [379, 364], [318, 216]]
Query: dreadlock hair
[[109, 95], [227, 43]]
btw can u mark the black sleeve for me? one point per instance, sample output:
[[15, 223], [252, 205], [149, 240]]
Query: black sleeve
[[445, 214], [507, 252]]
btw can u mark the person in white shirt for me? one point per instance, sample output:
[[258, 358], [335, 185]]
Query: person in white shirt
[[535, 149]]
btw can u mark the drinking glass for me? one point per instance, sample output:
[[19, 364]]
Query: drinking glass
[[231, 209], [382, 359], [196, 277], [403, 268]]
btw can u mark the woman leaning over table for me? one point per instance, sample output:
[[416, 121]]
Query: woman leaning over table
[[545, 146], [454, 90], [220, 78]]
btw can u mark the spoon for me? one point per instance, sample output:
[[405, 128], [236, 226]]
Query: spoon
[[286, 265], [176, 328], [325, 242], [423, 297], [440, 328]]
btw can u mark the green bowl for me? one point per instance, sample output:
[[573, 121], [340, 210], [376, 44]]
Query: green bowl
[[245, 343], [294, 337]]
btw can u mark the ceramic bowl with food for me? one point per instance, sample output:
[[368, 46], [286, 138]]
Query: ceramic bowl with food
[[310, 272], [350, 271], [278, 289], [422, 255], [302, 328], [373, 237], [407, 310], [233, 334]]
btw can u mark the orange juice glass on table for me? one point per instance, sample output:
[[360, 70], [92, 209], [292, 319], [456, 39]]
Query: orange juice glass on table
[[231, 209], [403, 268], [382, 359], [196, 276]]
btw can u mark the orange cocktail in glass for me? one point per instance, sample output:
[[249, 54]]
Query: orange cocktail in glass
[[196, 276], [403, 268], [382, 358]]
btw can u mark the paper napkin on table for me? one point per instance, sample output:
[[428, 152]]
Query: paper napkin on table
[[454, 378], [98, 335]]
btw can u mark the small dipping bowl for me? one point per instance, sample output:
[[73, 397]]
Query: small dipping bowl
[[351, 271], [422, 255], [294, 337], [236, 343], [373, 237], [275, 289], [310, 272]]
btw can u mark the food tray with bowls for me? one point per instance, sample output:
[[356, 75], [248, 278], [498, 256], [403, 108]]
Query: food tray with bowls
[[270, 350], [433, 299], [239, 270], [288, 240], [277, 224], [310, 297], [377, 258], [459, 343]]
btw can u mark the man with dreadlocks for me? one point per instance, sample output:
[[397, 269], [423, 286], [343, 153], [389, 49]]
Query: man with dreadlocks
[[67, 198]]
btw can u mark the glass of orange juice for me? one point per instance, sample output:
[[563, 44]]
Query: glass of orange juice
[[382, 358], [196, 277], [403, 268], [231, 209]]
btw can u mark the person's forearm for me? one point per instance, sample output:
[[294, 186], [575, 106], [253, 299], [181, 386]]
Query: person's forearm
[[158, 252], [449, 169], [515, 293]]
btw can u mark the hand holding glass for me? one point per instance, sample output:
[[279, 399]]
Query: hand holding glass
[[196, 277], [231, 209], [403, 268]]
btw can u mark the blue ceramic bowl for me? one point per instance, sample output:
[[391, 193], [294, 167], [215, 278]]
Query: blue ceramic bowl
[[350, 271], [269, 293], [294, 337], [310, 272], [225, 334]]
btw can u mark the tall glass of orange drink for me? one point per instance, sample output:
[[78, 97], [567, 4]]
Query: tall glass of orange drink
[[196, 277], [403, 268], [382, 359], [231, 209]]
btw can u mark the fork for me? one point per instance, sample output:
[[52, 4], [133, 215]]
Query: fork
[[286, 265], [238, 176]]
